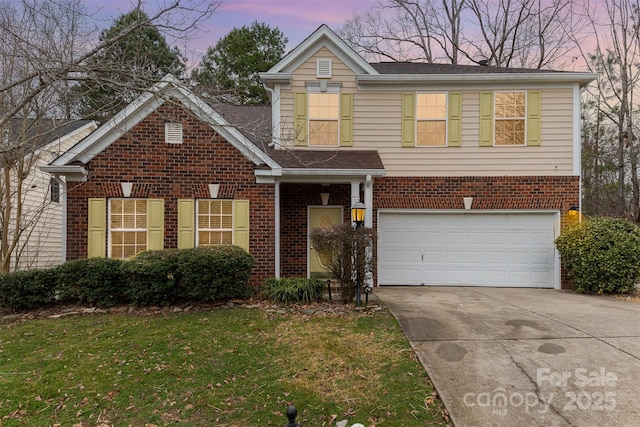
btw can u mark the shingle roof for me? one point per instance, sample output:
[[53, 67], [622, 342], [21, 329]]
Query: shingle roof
[[36, 133], [426, 68], [323, 159]]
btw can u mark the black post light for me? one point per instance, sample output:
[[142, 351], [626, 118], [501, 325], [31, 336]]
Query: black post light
[[357, 216]]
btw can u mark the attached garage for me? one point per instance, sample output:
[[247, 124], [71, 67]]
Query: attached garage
[[468, 249]]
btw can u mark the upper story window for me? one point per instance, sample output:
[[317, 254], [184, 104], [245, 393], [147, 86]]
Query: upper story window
[[431, 119], [127, 227], [324, 110], [510, 118], [54, 189], [214, 222]]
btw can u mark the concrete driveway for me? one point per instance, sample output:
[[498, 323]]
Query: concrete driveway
[[525, 357]]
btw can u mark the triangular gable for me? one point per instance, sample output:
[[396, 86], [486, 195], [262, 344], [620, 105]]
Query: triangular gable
[[142, 107], [322, 37]]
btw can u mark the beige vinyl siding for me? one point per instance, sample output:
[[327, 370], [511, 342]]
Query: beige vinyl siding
[[307, 73], [377, 120]]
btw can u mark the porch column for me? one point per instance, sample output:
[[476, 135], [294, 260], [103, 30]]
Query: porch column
[[276, 209], [368, 202], [355, 193]]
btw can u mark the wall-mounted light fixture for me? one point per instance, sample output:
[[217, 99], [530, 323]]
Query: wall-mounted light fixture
[[325, 198]]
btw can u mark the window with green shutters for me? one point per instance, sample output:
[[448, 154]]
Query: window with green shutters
[[431, 119], [510, 118], [323, 119]]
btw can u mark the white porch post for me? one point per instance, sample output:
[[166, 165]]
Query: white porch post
[[368, 202], [355, 193], [277, 228]]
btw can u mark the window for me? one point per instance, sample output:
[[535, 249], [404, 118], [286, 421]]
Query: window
[[54, 189], [128, 227], [214, 222], [323, 119], [431, 120], [510, 118]]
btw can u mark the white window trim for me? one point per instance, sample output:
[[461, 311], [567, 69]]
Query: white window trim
[[432, 119], [111, 229], [525, 118], [197, 228], [309, 119]]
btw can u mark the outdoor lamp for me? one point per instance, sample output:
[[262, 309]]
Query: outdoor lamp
[[357, 213]]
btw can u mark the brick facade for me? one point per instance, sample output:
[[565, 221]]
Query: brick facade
[[440, 193], [172, 172]]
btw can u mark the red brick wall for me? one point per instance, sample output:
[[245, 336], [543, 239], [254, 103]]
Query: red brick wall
[[489, 193], [294, 201], [172, 172]]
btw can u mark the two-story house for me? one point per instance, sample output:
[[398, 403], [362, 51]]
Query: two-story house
[[465, 171]]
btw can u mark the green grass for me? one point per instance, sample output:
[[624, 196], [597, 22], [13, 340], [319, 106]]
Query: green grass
[[235, 367]]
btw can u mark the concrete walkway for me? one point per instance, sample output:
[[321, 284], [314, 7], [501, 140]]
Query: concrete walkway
[[525, 357]]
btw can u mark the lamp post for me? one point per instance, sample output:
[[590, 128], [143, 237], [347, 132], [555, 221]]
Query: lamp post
[[357, 216]]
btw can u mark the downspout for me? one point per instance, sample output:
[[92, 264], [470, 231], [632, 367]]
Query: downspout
[[277, 228]]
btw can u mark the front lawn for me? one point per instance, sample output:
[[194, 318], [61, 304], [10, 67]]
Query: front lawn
[[222, 367]]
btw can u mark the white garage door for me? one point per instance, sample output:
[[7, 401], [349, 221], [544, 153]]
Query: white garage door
[[467, 249]]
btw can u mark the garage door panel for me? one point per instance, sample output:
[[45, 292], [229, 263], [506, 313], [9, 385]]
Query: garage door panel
[[482, 249]]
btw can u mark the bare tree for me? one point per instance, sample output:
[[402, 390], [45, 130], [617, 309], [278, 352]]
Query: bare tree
[[46, 49], [613, 186], [509, 33]]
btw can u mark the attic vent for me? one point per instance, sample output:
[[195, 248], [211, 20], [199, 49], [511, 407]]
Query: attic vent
[[173, 133], [323, 68]]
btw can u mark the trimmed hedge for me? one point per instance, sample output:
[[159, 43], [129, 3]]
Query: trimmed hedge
[[152, 277], [162, 277], [293, 290], [229, 278], [601, 255], [96, 281], [27, 290]]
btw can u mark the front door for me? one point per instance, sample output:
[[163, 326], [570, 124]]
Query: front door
[[321, 216]]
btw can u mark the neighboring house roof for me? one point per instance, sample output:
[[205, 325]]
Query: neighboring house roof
[[36, 133]]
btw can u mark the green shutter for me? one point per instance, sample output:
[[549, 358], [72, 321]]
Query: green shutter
[[241, 224], [486, 119], [155, 224], [97, 221], [186, 223], [454, 138], [300, 124], [346, 120], [534, 111], [408, 120]]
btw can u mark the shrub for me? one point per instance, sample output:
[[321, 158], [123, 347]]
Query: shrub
[[213, 273], [601, 255], [339, 245], [27, 290], [292, 290], [96, 281], [152, 277]]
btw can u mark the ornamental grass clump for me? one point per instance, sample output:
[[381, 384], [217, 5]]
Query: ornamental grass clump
[[601, 255], [293, 290]]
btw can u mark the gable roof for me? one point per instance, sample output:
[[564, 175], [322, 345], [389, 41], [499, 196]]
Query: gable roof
[[322, 37], [138, 110]]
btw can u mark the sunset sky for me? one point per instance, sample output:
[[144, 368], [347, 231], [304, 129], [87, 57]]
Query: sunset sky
[[297, 19]]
